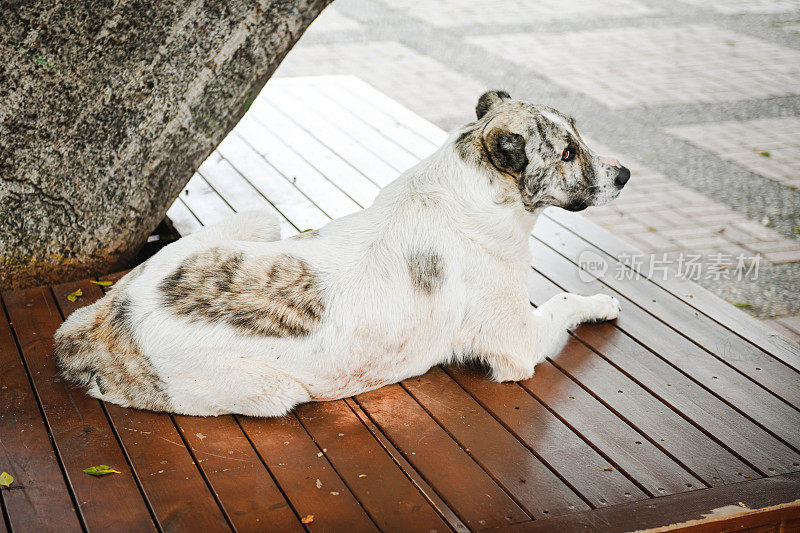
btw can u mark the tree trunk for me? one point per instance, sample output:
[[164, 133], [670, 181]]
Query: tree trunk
[[106, 110]]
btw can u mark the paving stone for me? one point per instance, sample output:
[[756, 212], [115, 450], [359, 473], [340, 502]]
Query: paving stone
[[730, 7], [769, 147], [422, 84], [629, 67], [332, 20], [448, 13]]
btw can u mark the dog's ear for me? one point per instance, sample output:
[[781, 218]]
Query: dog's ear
[[507, 150], [488, 100]]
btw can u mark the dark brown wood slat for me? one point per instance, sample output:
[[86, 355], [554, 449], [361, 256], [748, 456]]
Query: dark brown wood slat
[[735, 351], [575, 461], [162, 462], [39, 498], [696, 296], [683, 441], [446, 512], [750, 398], [729, 508], [390, 498], [243, 486], [79, 427], [498, 452], [648, 465], [466, 488], [180, 498], [305, 475], [719, 420]]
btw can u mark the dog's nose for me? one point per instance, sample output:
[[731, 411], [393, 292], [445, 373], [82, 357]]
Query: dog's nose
[[623, 175]]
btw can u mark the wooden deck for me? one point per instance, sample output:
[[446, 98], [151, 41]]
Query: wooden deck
[[683, 408]]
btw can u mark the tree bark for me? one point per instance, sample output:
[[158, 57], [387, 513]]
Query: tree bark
[[106, 110]]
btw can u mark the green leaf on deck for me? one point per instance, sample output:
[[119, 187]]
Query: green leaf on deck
[[6, 479], [74, 295], [101, 283], [100, 470], [742, 305]]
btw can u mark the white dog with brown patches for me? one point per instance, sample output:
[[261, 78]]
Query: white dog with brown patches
[[233, 320]]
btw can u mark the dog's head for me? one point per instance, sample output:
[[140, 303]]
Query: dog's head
[[540, 153]]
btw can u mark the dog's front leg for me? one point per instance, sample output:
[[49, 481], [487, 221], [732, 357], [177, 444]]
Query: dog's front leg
[[545, 330]]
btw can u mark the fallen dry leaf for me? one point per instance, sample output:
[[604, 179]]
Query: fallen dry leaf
[[307, 519], [74, 295], [6, 479]]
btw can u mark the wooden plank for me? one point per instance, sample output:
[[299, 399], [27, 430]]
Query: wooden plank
[[180, 498], [679, 393], [299, 142], [39, 498], [463, 484], [348, 149], [735, 320], [308, 180], [584, 468], [390, 498], [432, 496], [238, 192], [762, 368], [355, 125], [305, 475], [182, 218], [163, 470], [363, 90], [509, 462], [79, 427], [628, 448], [335, 94], [204, 202], [241, 483], [729, 508], [270, 183], [701, 455], [748, 397]]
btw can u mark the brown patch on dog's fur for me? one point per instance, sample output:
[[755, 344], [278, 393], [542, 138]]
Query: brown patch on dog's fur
[[101, 350], [270, 296], [427, 271]]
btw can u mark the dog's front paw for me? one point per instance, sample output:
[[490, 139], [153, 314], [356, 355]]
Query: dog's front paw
[[604, 307]]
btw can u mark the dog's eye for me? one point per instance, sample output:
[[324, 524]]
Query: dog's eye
[[568, 155]]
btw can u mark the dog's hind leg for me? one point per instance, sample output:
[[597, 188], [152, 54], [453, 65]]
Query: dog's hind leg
[[239, 385], [245, 226]]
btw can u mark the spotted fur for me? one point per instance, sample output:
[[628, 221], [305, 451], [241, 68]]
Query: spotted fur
[[268, 296], [97, 348], [426, 270]]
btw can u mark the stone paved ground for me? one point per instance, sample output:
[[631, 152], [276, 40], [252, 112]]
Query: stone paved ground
[[700, 98]]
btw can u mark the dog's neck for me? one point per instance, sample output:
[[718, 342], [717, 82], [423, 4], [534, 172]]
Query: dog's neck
[[466, 197]]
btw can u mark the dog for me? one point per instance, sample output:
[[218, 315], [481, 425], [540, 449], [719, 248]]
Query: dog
[[232, 319]]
